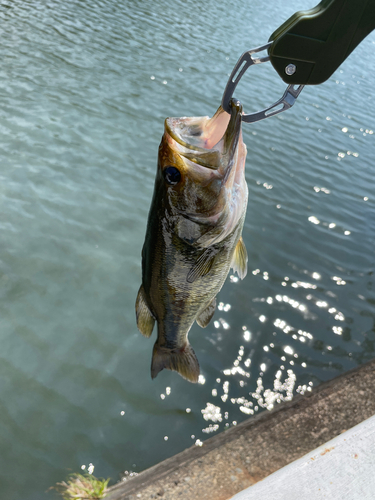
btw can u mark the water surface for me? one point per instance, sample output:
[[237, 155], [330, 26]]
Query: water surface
[[84, 91]]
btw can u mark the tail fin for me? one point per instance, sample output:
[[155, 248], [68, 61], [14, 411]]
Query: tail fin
[[183, 361]]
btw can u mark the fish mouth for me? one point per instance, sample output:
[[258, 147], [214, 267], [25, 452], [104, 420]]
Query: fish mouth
[[209, 142]]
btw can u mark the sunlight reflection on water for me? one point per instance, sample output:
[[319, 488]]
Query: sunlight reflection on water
[[263, 397]]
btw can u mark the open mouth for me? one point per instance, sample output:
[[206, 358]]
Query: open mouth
[[209, 142]]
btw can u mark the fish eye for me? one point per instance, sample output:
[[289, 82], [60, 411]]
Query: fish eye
[[172, 175]]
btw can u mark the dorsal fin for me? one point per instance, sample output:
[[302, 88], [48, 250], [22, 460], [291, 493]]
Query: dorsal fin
[[239, 259], [145, 319]]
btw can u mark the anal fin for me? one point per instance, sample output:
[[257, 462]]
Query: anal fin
[[205, 316], [239, 259], [182, 360], [145, 319]]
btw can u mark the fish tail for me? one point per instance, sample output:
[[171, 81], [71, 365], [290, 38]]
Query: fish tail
[[182, 360]]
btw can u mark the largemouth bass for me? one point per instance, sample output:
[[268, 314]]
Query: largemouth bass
[[193, 233]]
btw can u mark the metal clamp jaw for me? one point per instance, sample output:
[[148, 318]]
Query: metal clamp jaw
[[243, 64]]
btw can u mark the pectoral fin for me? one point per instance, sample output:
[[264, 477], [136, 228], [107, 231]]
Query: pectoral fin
[[145, 319], [183, 361], [205, 317], [202, 265], [239, 259]]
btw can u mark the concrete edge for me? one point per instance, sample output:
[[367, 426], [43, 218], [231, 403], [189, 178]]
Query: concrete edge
[[342, 468]]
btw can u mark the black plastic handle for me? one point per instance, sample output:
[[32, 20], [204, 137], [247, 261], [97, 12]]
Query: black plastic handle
[[312, 44]]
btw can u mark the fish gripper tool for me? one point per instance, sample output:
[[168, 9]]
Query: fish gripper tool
[[306, 49]]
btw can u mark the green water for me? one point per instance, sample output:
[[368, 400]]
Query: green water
[[84, 90]]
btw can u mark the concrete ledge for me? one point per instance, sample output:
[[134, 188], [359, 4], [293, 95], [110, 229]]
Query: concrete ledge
[[341, 469], [243, 455]]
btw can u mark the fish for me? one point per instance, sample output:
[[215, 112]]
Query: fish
[[194, 233]]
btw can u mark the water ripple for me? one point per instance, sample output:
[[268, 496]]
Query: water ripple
[[84, 91]]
